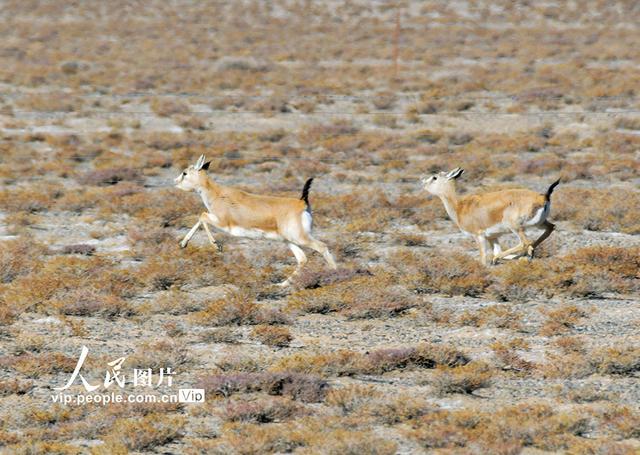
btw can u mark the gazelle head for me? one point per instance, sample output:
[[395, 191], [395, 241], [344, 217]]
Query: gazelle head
[[189, 179], [443, 182]]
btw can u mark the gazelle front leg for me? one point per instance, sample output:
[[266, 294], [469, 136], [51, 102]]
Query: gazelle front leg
[[185, 240], [206, 218], [203, 220], [483, 243]]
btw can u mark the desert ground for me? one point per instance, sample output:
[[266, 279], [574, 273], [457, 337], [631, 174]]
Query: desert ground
[[411, 345]]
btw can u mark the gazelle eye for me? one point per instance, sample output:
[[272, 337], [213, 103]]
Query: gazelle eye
[[435, 178], [184, 173]]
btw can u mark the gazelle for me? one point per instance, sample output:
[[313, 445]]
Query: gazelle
[[243, 214], [488, 216]]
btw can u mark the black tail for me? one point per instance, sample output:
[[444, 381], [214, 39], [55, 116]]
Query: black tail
[[547, 196], [305, 193]]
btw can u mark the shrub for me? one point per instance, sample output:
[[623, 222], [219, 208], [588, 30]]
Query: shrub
[[109, 176], [261, 411], [90, 302], [602, 269], [499, 316], [220, 335], [306, 388], [346, 363], [62, 276], [26, 200], [509, 360], [628, 123], [147, 432], [561, 320], [401, 408], [610, 209], [352, 398], [427, 136], [520, 280], [238, 308], [168, 107], [312, 278], [456, 274], [385, 120], [19, 257], [272, 336], [359, 298], [622, 360], [384, 100], [14, 387], [37, 365], [462, 379], [79, 248], [165, 353], [344, 441], [505, 430]]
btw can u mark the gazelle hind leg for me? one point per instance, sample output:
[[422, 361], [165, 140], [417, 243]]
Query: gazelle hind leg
[[548, 229], [302, 260], [523, 247], [321, 248]]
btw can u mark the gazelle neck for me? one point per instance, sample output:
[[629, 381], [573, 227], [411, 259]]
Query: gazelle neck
[[450, 201], [208, 190]]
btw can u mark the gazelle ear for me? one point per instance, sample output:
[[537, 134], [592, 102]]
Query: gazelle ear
[[457, 172], [205, 166], [199, 163]]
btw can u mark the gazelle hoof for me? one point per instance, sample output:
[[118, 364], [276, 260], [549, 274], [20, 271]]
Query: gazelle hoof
[[183, 244], [284, 284]]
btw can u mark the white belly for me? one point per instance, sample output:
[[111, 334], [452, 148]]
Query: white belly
[[496, 229], [237, 231]]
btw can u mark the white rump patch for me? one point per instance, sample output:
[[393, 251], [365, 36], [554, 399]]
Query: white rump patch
[[307, 221], [540, 215]]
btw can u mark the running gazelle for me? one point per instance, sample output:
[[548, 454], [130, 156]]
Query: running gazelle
[[488, 216], [255, 216]]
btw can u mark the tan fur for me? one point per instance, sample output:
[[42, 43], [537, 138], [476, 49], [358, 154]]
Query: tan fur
[[478, 212], [243, 214], [490, 215], [237, 208]]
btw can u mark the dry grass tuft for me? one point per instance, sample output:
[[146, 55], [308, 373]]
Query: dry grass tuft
[[347, 363], [111, 176], [239, 308], [145, 433], [561, 320], [462, 379], [272, 335], [455, 274], [500, 316], [506, 430], [302, 387], [19, 257], [262, 411], [361, 297]]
